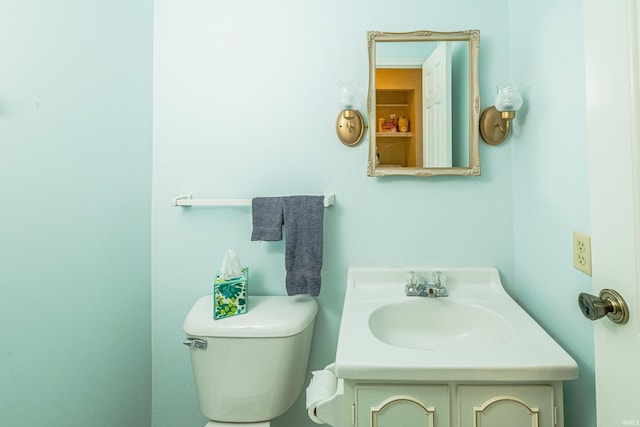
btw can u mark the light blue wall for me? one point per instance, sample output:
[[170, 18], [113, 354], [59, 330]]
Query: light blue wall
[[75, 178], [550, 194], [245, 105]]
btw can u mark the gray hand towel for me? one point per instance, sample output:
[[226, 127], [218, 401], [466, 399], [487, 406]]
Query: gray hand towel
[[303, 216], [266, 213]]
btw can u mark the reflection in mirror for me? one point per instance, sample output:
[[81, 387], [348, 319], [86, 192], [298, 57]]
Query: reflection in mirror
[[423, 103]]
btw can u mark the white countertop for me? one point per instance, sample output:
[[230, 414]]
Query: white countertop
[[529, 354]]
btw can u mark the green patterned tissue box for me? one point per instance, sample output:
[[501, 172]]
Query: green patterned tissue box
[[230, 296]]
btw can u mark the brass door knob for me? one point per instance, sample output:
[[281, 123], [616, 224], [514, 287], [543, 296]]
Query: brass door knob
[[609, 303]]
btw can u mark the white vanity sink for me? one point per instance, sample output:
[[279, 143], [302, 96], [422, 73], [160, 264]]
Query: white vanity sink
[[468, 356], [439, 324], [477, 333]]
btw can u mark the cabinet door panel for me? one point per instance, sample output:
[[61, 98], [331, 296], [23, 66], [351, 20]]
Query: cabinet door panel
[[501, 406], [402, 405]]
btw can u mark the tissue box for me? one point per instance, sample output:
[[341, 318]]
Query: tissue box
[[230, 296]]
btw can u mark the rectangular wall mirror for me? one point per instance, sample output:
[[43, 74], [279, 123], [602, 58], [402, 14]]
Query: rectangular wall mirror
[[423, 103]]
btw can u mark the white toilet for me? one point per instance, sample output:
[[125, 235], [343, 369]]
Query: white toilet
[[250, 368]]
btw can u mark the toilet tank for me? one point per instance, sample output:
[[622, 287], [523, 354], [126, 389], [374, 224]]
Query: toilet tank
[[254, 365]]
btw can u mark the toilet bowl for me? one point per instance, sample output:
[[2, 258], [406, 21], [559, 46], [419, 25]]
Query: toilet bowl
[[250, 369]]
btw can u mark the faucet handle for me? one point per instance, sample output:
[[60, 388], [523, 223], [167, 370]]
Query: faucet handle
[[412, 278], [438, 279]]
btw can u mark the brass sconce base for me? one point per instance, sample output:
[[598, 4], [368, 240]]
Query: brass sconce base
[[350, 127], [495, 125]]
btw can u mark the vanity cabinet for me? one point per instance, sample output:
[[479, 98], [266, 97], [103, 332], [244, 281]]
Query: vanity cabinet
[[507, 406], [456, 405], [402, 405]]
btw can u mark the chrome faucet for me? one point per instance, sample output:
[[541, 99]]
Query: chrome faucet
[[436, 287]]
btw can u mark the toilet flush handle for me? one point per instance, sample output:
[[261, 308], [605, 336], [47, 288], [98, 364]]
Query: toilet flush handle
[[196, 343]]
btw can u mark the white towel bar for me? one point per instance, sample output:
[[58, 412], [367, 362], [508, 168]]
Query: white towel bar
[[186, 199]]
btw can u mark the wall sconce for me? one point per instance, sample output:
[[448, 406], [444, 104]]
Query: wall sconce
[[495, 122], [350, 124]]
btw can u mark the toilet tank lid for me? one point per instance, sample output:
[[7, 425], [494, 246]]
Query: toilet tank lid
[[267, 316]]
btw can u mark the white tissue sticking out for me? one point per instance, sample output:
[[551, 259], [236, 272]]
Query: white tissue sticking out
[[230, 267]]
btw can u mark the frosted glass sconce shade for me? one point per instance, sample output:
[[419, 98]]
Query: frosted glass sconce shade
[[350, 124], [495, 122], [508, 99], [348, 96]]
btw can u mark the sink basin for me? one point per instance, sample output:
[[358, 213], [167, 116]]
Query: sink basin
[[477, 333], [433, 324]]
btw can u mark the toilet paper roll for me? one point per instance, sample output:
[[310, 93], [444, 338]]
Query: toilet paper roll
[[323, 385]]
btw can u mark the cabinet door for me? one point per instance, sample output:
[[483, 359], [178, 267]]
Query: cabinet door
[[402, 406], [506, 406]]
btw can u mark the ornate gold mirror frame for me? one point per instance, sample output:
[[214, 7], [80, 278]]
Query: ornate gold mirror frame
[[405, 124]]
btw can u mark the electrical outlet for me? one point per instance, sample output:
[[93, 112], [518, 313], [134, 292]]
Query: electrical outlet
[[582, 252]]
